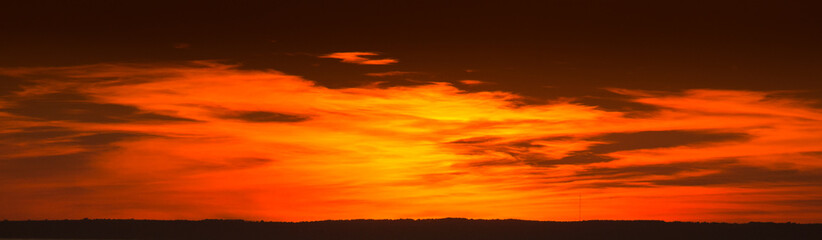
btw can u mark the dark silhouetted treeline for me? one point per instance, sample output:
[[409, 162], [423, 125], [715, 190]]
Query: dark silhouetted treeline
[[449, 228]]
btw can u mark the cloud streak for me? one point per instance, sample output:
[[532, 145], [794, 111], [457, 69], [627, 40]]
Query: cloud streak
[[357, 58], [389, 74], [472, 82], [216, 141]]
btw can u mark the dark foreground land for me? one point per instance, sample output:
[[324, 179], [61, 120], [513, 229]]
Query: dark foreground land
[[450, 228]]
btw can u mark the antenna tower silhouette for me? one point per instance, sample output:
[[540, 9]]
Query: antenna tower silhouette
[[580, 207]]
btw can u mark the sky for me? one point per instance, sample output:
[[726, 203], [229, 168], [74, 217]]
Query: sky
[[300, 111]]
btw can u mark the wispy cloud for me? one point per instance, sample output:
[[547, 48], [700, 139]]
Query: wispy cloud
[[357, 58], [472, 82], [133, 139], [182, 45], [389, 74]]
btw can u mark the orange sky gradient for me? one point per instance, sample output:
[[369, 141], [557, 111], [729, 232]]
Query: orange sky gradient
[[206, 139]]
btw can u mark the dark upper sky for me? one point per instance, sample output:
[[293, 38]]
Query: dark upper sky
[[549, 49]]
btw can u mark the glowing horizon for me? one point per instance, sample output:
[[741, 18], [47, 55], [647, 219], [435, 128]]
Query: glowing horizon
[[204, 139]]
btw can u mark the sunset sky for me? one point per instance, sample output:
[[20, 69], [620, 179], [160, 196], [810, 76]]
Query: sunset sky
[[297, 111]]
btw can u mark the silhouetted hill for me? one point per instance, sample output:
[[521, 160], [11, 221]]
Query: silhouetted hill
[[449, 228]]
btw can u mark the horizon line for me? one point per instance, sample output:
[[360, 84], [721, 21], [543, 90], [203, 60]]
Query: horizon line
[[405, 219]]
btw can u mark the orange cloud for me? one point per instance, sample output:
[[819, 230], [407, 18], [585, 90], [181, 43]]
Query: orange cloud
[[356, 58], [207, 140], [471, 82]]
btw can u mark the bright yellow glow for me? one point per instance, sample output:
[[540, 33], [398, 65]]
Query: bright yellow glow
[[405, 152]]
